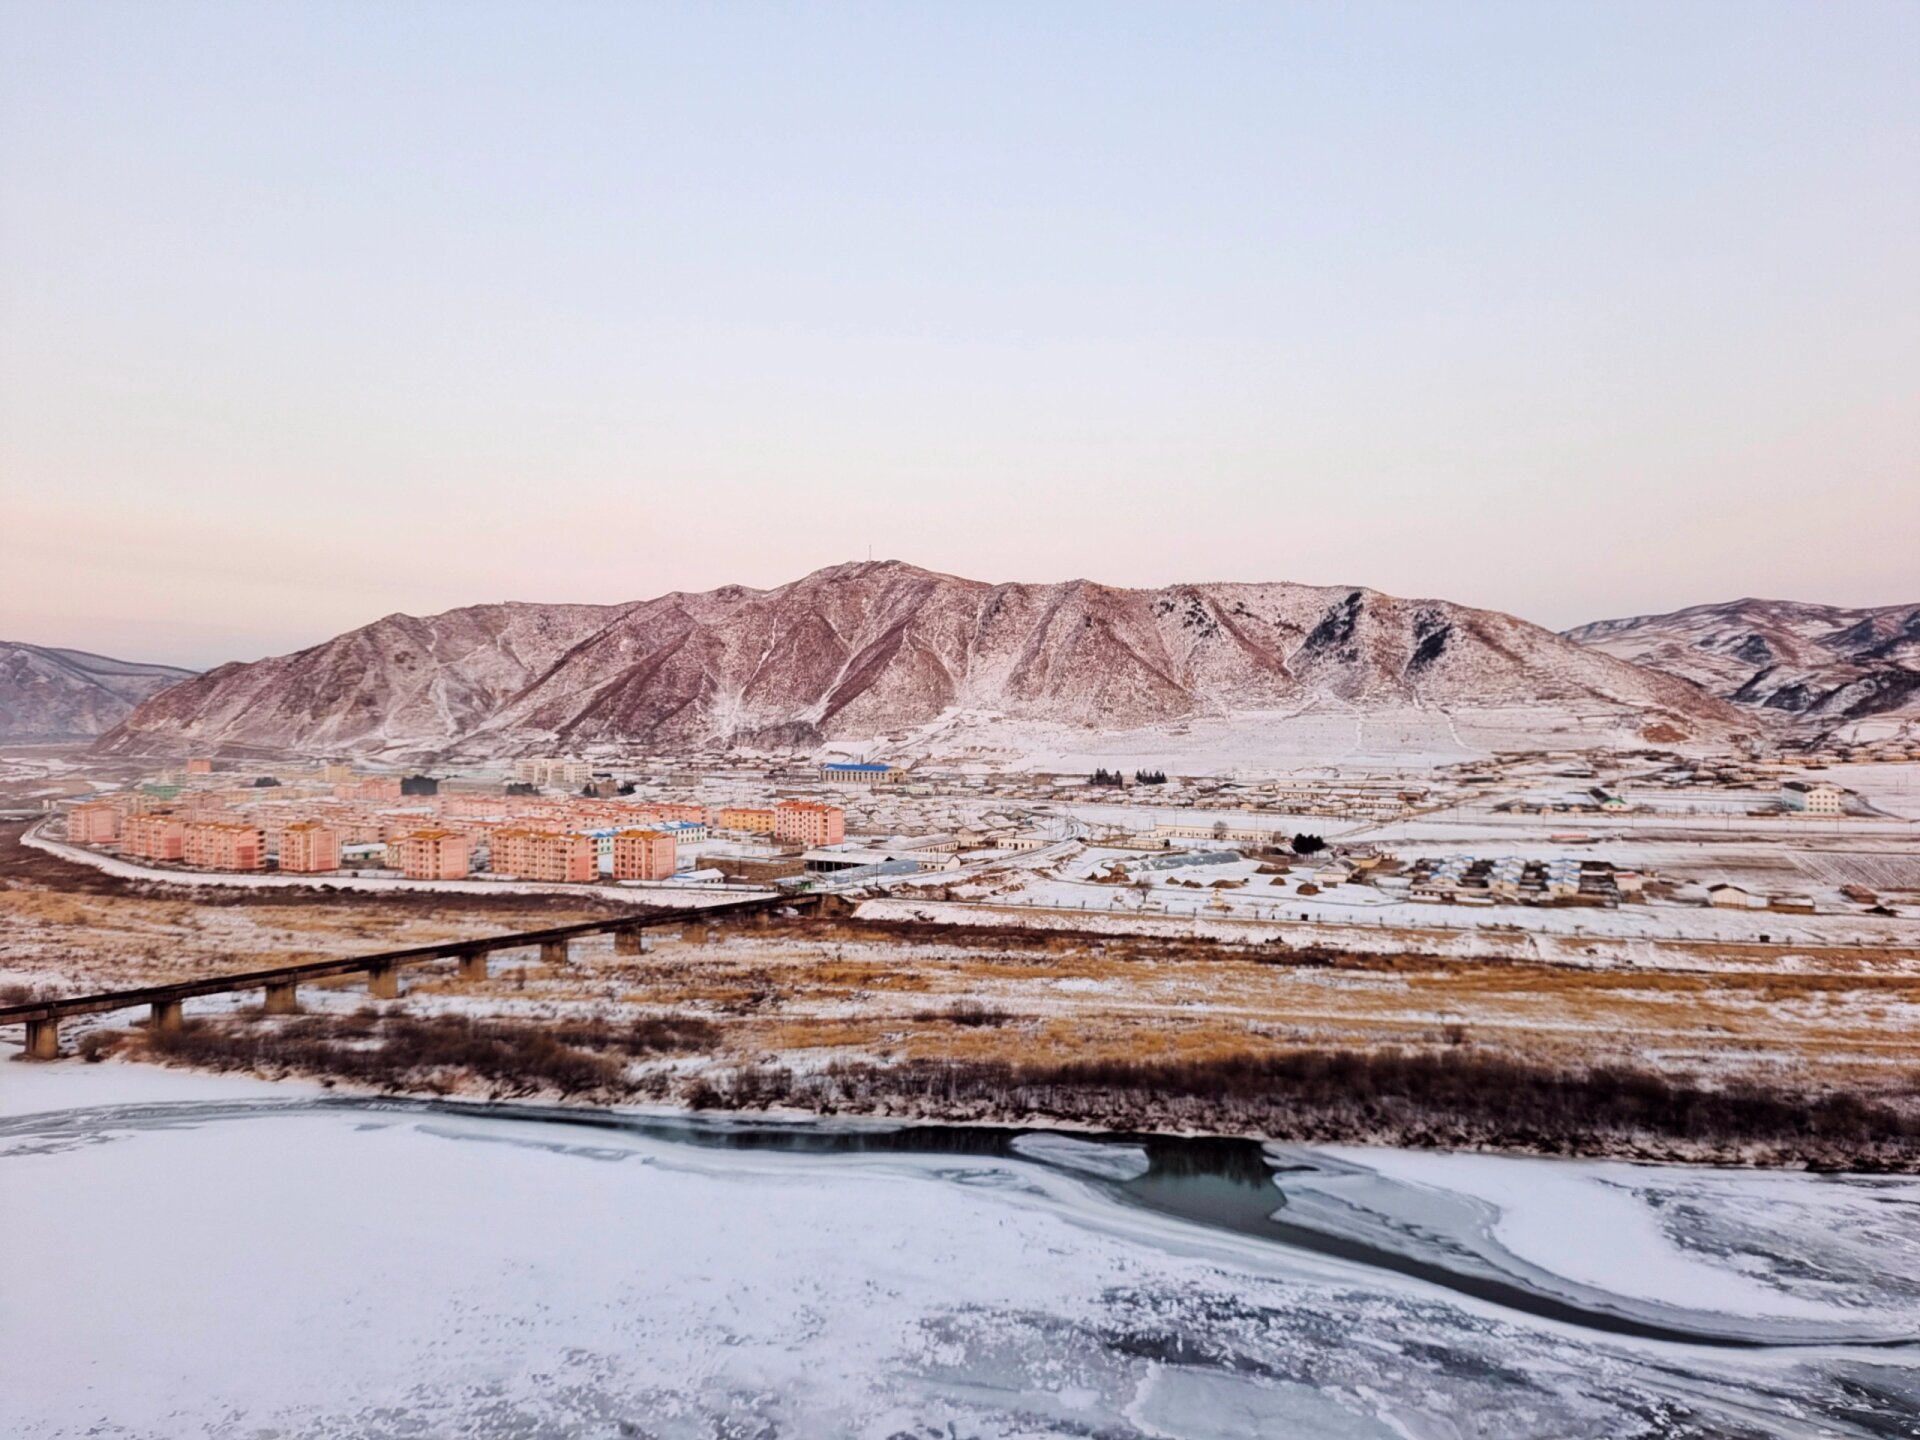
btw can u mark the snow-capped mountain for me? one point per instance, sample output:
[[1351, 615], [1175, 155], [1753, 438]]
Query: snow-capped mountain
[[862, 650], [53, 694], [1823, 664]]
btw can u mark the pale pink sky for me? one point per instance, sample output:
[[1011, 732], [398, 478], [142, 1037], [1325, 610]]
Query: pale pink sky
[[310, 313]]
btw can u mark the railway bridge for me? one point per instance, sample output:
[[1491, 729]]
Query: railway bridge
[[281, 985]]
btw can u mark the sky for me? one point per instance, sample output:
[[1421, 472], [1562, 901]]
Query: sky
[[310, 313]]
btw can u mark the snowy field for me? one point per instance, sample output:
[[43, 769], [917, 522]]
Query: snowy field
[[1410, 738], [1077, 902], [201, 1258]]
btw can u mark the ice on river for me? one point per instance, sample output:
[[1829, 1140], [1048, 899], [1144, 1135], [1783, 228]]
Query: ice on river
[[1770, 1255], [221, 1265]]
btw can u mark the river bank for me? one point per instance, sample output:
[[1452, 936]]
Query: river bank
[[1458, 1100]]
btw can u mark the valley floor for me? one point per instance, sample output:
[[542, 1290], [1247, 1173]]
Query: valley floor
[[890, 1014]]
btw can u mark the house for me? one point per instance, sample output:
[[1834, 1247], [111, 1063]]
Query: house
[[1733, 897]]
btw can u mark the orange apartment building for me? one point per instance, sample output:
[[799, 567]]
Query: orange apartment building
[[751, 822], [644, 855], [153, 837], [807, 822], [432, 855], [95, 823], [307, 848], [544, 855], [223, 845], [662, 811]]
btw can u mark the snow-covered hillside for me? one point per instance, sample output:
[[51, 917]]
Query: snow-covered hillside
[[1825, 664], [864, 650], [48, 693]]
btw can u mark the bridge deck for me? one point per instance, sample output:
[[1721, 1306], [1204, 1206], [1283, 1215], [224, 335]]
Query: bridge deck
[[107, 1000]]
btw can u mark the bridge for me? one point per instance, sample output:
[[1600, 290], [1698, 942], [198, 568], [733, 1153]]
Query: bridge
[[281, 984]]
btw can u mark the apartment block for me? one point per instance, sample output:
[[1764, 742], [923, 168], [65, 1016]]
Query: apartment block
[[644, 855], [548, 770], [308, 848], [544, 855], [745, 821], [432, 855], [153, 837], [223, 845], [94, 823], [809, 823], [374, 787]]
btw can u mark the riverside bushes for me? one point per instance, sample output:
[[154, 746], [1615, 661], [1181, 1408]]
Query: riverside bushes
[[1443, 1099], [433, 1053]]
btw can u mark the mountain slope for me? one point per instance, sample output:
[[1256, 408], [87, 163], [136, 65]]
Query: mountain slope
[[861, 650], [1818, 663], [402, 683], [47, 693]]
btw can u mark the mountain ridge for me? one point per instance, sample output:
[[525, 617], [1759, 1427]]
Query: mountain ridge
[[868, 648], [1806, 663], [50, 692]]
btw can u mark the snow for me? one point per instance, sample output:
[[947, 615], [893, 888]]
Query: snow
[[233, 1270], [1594, 1223], [1092, 1157]]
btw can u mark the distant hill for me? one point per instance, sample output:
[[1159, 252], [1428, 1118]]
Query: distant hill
[[53, 694], [863, 650], [1818, 664]]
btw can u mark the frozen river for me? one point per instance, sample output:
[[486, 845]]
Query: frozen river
[[186, 1257]]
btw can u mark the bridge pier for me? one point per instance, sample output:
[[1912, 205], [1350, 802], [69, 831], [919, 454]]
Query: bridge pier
[[43, 1040], [631, 941], [473, 966], [383, 982], [165, 1015], [694, 935], [282, 999], [554, 952]]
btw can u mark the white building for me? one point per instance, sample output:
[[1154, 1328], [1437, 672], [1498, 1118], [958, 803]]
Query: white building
[[1814, 797]]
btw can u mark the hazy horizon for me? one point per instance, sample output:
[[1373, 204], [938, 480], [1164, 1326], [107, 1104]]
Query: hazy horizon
[[312, 314]]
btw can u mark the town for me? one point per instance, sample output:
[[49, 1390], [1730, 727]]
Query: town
[[1664, 843]]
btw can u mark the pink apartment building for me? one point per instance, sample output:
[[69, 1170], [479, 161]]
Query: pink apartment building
[[307, 848], [223, 845], [432, 855], [94, 823], [544, 855], [807, 822], [644, 855], [153, 837]]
